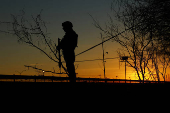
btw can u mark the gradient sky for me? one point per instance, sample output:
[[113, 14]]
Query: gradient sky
[[13, 56]]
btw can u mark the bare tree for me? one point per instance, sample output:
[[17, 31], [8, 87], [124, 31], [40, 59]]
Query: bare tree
[[139, 38], [35, 34]]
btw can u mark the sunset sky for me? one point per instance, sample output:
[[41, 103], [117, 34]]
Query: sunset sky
[[13, 56]]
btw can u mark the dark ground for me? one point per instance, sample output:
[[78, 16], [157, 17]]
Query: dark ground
[[87, 93], [109, 87]]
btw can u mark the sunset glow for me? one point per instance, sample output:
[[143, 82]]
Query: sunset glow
[[14, 55]]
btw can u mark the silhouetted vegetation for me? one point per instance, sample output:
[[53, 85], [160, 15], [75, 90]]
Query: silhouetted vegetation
[[145, 36], [34, 33]]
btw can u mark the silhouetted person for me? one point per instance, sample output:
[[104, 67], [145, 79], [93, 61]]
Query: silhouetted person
[[68, 45]]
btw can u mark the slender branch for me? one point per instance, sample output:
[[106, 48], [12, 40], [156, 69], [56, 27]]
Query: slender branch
[[42, 51]]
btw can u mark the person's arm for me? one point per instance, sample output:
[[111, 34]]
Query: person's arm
[[76, 41]]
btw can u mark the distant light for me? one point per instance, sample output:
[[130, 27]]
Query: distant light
[[43, 71]]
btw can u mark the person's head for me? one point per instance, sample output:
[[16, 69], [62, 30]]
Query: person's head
[[67, 26]]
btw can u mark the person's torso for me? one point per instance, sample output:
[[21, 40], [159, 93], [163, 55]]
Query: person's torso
[[69, 41]]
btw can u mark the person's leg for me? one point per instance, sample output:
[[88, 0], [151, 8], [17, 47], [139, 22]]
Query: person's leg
[[69, 57], [71, 71]]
